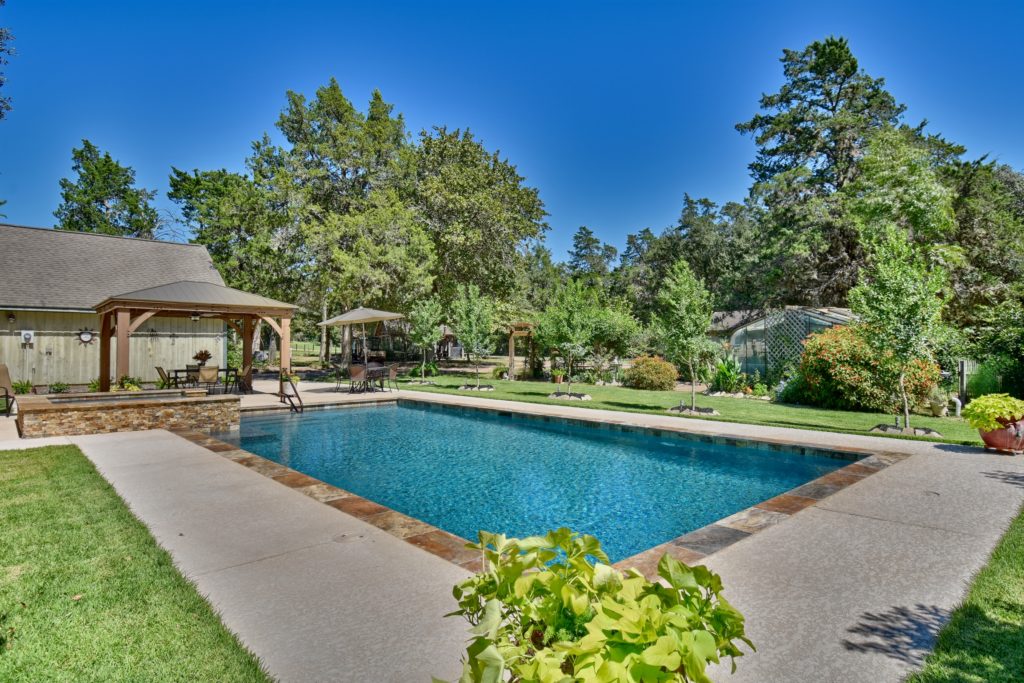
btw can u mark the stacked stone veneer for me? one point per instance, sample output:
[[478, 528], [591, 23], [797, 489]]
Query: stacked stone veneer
[[38, 416]]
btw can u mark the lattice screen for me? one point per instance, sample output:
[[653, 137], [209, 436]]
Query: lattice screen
[[783, 333]]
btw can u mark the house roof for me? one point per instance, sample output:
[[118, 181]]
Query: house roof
[[725, 322], [198, 296], [54, 269]]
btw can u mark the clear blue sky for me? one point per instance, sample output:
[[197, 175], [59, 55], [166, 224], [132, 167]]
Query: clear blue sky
[[612, 109]]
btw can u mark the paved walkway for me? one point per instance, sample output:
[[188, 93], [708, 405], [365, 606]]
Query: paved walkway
[[853, 588]]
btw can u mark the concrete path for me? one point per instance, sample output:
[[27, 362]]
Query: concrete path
[[851, 589], [317, 594]]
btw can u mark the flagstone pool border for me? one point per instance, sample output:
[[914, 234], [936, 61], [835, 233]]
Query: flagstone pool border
[[690, 548]]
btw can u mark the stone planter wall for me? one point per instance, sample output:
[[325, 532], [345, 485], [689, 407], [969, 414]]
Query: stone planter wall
[[39, 416]]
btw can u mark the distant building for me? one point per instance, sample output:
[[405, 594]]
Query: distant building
[[768, 340], [50, 281]]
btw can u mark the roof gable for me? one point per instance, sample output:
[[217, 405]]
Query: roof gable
[[55, 269]]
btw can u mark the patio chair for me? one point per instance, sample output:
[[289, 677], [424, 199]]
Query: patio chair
[[393, 376], [242, 382], [8, 390], [208, 376], [356, 377], [166, 380], [192, 375]]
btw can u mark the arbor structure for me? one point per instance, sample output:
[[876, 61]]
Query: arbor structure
[[684, 317], [103, 197], [899, 300]]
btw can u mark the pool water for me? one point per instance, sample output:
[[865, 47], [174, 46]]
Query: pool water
[[463, 470]]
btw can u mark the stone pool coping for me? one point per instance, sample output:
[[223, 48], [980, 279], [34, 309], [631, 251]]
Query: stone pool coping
[[689, 548]]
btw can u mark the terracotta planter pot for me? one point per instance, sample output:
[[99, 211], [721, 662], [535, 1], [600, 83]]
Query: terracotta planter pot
[[557, 379], [1009, 439]]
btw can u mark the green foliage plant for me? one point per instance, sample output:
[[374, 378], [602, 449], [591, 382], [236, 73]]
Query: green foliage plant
[[424, 328], [898, 300], [728, 377], [94, 385], [651, 373], [684, 309], [986, 379], [22, 386], [59, 388], [568, 324], [128, 383], [499, 371], [993, 411], [472, 317], [543, 611]]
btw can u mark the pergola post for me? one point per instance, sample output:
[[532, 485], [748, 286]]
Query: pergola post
[[286, 344], [512, 354], [105, 333], [247, 332], [124, 321]]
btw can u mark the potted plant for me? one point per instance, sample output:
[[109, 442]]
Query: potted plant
[[999, 418], [557, 375], [202, 357], [938, 402], [289, 387]]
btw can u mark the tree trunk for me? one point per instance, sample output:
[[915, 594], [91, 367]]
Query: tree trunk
[[568, 373], [693, 387], [906, 401], [477, 367], [423, 366], [323, 332]]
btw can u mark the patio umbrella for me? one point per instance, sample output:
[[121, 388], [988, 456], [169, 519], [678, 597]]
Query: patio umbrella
[[361, 316]]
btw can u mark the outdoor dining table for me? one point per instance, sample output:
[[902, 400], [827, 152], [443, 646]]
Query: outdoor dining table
[[375, 374], [230, 376]]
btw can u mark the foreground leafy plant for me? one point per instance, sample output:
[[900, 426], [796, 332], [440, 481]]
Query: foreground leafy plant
[[993, 411], [542, 612]]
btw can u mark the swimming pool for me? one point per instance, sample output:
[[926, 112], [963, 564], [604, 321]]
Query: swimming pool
[[463, 470]]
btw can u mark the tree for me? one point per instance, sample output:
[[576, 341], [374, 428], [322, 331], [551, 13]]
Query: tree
[[424, 322], [567, 324], [810, 137], [472, 317], [6, 38], [479, 212], [898, 298], [589, 258], [103, 198], [684, 316]]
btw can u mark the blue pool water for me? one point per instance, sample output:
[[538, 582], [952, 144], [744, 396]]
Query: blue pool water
[[464, 470]]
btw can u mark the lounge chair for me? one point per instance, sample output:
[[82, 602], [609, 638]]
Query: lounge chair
[[8, 390], [243, 381]]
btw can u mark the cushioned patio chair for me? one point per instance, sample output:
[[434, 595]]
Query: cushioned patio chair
[[208, 376], [7, 390]]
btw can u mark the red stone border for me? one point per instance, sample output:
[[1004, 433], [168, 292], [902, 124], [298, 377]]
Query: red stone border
[[422, 535], [689, 548]]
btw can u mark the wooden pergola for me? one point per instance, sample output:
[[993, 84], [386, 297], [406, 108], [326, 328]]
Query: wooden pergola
[[519, 329], [123, 314]]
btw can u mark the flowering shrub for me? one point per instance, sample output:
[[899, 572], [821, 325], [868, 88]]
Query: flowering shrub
[[838, 369], [651, 372]]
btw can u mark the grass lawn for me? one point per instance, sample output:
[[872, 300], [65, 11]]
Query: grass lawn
[[749, 411], [984, 640], [86, 594]]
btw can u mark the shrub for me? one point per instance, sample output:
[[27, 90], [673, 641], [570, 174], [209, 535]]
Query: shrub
[[728, 377], [429, 370], [838, 369], [22, 386], [993, 411], [499, 371], [542, 611], [128, 383], [651, 372], [59, 388], [987, 379], [94, 384]]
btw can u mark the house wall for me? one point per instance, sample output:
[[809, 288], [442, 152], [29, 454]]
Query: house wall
[[58, 356]]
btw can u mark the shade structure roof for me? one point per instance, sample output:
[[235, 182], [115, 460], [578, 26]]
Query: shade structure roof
[[361, 315], [199, 297]]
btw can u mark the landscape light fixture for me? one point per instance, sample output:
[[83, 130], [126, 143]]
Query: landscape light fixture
[[194, 317], [11, 318]]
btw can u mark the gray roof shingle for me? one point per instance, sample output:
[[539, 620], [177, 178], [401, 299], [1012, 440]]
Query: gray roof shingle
[[53, 269], [203, 293]]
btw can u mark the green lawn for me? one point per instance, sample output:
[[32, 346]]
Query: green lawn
[[984, 640], [86, 594], [749, 411]]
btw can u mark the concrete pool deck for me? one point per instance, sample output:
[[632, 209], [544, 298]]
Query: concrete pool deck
[[852, 588]]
